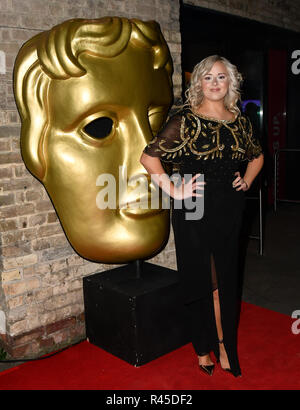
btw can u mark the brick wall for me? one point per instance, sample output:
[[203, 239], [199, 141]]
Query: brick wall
[[41, 281], [41, 300]]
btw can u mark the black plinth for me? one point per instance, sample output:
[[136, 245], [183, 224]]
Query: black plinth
[[135, 318]]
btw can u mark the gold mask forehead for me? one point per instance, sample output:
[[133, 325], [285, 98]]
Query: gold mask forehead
[[65, 78], [54, 55], [60, 47]]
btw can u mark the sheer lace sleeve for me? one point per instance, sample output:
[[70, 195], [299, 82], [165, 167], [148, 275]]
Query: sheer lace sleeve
[[167, 144], [254, 148]]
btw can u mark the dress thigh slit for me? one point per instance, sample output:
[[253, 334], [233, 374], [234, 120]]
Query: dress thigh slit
[[213, 273], [225, 271]]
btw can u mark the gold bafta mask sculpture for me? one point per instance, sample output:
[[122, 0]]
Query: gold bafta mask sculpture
[[90, 94]]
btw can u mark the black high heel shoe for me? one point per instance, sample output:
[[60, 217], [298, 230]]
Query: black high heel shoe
[[207, 368], [227, 369]]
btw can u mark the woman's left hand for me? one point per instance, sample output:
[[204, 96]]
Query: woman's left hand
[[240, 183]]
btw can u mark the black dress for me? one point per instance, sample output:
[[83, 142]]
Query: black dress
[[197, 144]]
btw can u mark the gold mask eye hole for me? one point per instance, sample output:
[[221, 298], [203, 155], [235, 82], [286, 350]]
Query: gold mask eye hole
[[99, 128]]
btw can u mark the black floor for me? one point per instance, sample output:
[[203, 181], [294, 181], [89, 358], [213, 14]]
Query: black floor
[[272, 280]]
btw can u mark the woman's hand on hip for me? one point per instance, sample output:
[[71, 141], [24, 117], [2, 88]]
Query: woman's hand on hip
[[188, 189], [239, 183]]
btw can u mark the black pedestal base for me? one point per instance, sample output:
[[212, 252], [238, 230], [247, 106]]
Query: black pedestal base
[[135, 318]]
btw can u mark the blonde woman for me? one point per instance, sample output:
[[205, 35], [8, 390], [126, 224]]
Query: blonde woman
[[208, 136]]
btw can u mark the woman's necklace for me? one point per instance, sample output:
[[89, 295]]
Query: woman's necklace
[[211, 118]]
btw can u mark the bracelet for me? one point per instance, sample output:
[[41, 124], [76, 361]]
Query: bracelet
[[246, 184]]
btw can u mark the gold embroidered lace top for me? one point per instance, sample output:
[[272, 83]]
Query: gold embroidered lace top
[[196, 143]]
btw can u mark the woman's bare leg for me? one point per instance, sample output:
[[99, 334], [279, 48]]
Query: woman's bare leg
[[223, 355], [205, 360]]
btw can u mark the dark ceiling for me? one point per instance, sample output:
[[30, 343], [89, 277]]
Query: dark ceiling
[[205, 32]]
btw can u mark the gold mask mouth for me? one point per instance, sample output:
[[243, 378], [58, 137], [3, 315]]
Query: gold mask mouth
[[139, 212]]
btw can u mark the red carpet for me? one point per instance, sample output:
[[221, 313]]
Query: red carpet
[[269, 356]]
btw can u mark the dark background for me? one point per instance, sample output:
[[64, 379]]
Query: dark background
[[246, 43]]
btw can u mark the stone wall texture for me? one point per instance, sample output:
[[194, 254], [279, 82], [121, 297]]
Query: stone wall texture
[[41, 297]]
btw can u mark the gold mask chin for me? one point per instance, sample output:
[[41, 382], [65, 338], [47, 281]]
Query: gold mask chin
[[90, 94]]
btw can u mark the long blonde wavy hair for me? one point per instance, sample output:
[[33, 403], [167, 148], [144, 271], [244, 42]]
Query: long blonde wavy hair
[[194, 94]]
